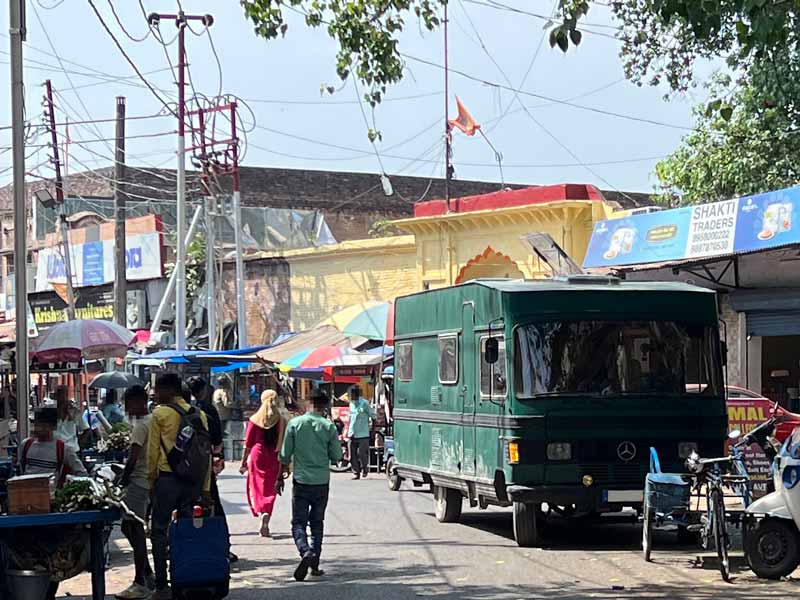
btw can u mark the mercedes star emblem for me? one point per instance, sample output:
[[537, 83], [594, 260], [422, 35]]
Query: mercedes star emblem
[[626, 451]]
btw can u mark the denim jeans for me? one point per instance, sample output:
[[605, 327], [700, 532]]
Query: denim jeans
[[308, 509], [170, 494], [359, 455]]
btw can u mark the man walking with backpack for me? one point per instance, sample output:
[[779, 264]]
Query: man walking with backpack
[[179, 466]]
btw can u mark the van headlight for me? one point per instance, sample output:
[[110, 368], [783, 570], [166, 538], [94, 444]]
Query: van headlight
[[559, 451], [685, 449]]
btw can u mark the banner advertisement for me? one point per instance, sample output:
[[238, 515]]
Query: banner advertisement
[[745, 414], [93, 262], [744, 224]]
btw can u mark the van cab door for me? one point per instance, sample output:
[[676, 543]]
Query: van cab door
[[467, 388]]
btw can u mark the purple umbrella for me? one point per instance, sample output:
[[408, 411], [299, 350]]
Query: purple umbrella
[[86, 339]]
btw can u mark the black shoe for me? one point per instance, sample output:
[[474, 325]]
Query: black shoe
[[357, 476], [301, 572], [364, 474], [317, 572], [232, 558]]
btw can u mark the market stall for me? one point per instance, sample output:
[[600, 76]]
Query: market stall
[[56, 526]]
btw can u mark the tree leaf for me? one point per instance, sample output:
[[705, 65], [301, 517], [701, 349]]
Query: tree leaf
[[575, 36]]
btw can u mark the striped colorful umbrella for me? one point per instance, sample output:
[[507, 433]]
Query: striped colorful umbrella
[[372, 320], [86, 339], [311, 359]]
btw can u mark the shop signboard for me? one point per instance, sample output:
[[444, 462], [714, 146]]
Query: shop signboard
[[757, 222], [745, 414], [92, 253], [90, 303]]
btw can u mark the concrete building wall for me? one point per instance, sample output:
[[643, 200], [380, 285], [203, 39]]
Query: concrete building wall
[[735, 333], [267, 298], [324, 281]]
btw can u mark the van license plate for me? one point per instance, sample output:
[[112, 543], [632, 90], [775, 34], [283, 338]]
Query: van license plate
[[616, 496]]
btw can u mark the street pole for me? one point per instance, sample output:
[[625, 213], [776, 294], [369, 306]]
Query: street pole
[[62, 215], [448, 150], [211, 267], [241, 312], [180, 260], [17, 36], [181, 21], [120, 250]]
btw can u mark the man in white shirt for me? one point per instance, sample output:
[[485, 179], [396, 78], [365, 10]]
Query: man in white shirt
[[71, 426]]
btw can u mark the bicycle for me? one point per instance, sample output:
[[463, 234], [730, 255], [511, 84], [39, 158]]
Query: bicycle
[[668, 500], [710, 476]]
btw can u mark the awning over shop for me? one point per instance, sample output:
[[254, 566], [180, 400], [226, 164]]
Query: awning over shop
[[323, 335], [694, 234]]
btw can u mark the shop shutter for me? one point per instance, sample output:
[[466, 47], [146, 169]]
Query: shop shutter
[[773, 323]]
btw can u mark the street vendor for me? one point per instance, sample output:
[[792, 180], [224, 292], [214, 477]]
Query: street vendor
[[71, 427], [43, 454]]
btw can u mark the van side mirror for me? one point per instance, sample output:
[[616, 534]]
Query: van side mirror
[[491, 351]]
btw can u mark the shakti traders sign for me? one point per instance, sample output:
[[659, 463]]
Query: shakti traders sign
[[92, 253], [744, 224]]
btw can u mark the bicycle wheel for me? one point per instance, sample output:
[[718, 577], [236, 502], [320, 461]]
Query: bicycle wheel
[[720, 532]]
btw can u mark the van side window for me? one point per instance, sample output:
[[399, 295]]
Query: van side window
[[493, 376], [404, 357], [448, 359]]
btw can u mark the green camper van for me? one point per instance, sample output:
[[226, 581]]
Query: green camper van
[[549, 394]]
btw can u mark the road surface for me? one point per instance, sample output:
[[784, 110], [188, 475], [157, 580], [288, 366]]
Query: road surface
[[388, 545]]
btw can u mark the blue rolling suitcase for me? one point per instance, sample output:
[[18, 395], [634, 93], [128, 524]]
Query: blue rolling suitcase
[[199, 566]]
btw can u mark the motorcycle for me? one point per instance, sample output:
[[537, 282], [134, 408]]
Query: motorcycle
[[772, 526]]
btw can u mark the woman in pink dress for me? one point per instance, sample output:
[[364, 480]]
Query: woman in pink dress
[[260, 460]]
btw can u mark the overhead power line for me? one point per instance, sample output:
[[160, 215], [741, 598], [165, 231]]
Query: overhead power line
[[548, 98]]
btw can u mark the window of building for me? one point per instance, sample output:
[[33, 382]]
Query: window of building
[[404, 359], [493, 376], [448, 359]]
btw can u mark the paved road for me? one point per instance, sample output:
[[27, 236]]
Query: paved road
[[388, 545]]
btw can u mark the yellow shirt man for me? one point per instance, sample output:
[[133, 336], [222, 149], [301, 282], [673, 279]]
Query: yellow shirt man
[[164, 426]]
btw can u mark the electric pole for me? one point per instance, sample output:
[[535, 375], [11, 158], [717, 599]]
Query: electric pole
[[448, 139], [241, 311], [17, 36], [120, 250], [181, 21], [62, 215]]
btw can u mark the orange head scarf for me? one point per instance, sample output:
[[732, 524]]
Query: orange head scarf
[[268, 415]]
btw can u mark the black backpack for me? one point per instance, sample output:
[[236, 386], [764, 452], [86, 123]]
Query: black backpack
[[191, 464]]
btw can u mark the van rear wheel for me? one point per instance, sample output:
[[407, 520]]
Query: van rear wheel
[[527, 524], [447, 504]]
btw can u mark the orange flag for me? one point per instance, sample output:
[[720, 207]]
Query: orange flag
[[464, 121], [61, 290]]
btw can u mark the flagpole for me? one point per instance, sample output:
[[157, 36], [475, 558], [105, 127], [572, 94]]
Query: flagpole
[[448, 167]]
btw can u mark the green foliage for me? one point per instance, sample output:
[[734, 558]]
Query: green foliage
[[746, 141], [662, 40], [366, 31], [383, 228], [195, 265]]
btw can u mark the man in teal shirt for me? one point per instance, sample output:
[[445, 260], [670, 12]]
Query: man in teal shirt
[[360, 415], [312, 443]]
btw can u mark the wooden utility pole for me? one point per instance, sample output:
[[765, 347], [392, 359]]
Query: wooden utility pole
[[120, 251]]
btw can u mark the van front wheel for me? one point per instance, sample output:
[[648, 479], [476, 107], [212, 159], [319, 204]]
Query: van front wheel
[[527, 524], [447, 504]]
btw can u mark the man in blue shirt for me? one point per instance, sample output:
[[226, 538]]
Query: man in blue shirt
[[361, 413]]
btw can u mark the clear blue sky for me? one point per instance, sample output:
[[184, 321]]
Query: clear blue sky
[[281, 79]]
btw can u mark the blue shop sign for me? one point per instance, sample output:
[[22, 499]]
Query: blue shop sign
[[744, 224]]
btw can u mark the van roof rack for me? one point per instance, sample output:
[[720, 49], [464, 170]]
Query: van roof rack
[[589, 279]]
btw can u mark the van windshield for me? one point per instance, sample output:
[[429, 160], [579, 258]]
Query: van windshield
[[615, 358]]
